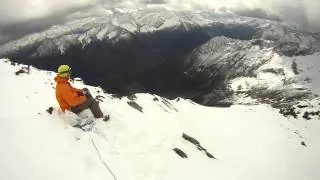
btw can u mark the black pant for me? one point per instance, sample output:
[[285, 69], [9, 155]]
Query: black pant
[[91, 104]]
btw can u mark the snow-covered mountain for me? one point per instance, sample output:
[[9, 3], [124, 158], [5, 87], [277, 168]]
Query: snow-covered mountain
[[196, 54], [252, 68], [122, 26], [247, 142]]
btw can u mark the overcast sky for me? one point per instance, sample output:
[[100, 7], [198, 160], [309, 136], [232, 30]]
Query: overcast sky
[[35, 14]]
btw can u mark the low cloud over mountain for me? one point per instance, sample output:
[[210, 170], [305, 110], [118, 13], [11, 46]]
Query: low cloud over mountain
[[34, 15]]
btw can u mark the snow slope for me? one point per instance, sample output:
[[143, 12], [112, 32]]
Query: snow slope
[[249, 142]]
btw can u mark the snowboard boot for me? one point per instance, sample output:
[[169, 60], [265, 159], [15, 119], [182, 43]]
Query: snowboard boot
[[106, 118]]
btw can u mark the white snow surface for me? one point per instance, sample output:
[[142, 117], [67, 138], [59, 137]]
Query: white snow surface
[[249, 142]]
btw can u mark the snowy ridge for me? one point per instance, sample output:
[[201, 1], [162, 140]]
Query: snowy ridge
[[111, 25], [242, 56], [249, 142], [254, 69], [278, 75]]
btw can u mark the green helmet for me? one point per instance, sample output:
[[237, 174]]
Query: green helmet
[[64, 71]]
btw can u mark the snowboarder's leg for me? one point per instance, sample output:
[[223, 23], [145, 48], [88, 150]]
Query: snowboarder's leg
[[94, 106], [95, 109], [91, 104], [82, 106]]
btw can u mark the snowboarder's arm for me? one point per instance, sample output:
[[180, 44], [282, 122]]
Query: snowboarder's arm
[[78, 91], [71, 98]]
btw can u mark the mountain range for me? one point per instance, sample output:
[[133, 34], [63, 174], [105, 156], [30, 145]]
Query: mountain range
[[194, 55]]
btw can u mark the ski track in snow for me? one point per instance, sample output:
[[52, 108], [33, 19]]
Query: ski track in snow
[[249, 142]]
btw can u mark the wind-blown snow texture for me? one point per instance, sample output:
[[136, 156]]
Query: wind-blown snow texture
[[249, 142]]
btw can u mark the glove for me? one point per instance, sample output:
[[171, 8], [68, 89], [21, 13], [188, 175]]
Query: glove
[[80, 93], [85, 91]]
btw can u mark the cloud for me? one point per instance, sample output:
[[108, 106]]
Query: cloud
[[17, 30], [23, 10], [154, 1], [257, 13], [299, 10], [305, 13]]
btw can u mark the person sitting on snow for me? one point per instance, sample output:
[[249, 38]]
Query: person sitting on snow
[[73, 99]]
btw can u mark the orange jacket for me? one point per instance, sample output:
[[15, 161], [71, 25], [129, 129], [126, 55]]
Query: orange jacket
[[66, 95]]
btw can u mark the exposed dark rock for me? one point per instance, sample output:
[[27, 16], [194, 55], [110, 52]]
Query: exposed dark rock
[[216, 98], [298, 133], [288, 111], [168, 104], [317, 113], [132, 97], [50, 110], [302, 106], [20, 72], [135, 106], [279, 71], [210, 155], [180, 153], [303, 143], [27, 69], [155, 99], [118, 96], [292, 49], [306, 115], [200, 148], [100, 98], [197, 144], [221, 104], [190, 139], [259, 42]]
